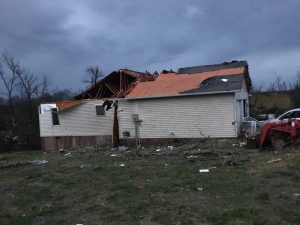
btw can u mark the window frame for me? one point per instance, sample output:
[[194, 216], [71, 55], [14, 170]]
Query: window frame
[[245, 108], [54, 113], [103, 107]]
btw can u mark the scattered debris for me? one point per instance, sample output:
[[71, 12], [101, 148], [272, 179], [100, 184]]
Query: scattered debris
[[204, 170], [85, 165], [243, 144], [231, 160], [192, 156], [274, 160], [23, 163], [123, 148], [39, 162], [170, 147]]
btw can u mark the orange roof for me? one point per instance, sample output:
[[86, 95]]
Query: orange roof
[[173, 84], [68, 104]]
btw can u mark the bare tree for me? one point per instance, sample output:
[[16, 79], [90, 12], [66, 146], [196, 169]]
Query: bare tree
[[93, 75], [44, 85], [9, 81], [28, 84]]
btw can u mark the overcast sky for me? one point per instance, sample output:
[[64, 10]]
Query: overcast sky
[[61, 38]]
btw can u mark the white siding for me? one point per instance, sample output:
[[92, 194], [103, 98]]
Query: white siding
[[79, 120], [185, 117], [239, 96]]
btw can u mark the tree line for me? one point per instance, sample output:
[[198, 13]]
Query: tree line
[[275, 98], [21, 94]]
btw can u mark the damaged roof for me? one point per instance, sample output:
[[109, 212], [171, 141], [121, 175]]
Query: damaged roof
[[220, 83], [214, 67], [115, 85], [198, 79]]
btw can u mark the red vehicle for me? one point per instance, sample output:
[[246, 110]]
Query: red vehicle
[[279, 133]]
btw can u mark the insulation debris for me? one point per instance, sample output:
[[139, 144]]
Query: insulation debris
[[204, 170]]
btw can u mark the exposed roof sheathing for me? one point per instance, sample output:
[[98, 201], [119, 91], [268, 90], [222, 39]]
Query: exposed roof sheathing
[[63, 105], [172, 84]]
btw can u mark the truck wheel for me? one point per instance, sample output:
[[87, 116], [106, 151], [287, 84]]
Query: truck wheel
[[278, 141]]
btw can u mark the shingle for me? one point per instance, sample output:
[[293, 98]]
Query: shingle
[[207, 68], [219, 84]]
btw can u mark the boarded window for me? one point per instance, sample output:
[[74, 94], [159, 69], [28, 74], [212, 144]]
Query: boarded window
[[100, 110], [55, 119]]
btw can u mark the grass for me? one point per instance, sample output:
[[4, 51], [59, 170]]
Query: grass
[[91, 187]]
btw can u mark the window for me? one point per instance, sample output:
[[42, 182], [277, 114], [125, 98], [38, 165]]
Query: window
[[285, 116], [245, 107], [289, 115], [100, 110], [55, 119]]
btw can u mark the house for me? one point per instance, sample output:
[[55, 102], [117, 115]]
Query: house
[[67, 124], [195, 102], [89, 119]]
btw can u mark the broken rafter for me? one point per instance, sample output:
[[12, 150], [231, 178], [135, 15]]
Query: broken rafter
[[89, 95], [121, 80], [125, 79], [123, 83], [114, 91], [98, 92], [114, 88], [131, 73], [130, 87]]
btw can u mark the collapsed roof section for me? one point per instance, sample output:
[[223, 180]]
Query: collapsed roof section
[[195, 80], [115, 85]]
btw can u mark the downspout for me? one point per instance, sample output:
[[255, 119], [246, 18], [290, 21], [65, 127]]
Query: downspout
[[115, 135]]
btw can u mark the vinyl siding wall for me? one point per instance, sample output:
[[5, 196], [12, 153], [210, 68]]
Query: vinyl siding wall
[[79, 120], [239, 97], [184, 117]]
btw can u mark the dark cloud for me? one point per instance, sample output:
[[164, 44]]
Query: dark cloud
[[62, 38]]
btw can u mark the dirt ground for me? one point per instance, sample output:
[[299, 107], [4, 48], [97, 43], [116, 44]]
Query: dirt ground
[[157, 185]]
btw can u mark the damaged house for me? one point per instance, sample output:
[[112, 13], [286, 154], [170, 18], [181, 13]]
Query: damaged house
[[90, 118], [132, 107], [195, 102]]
